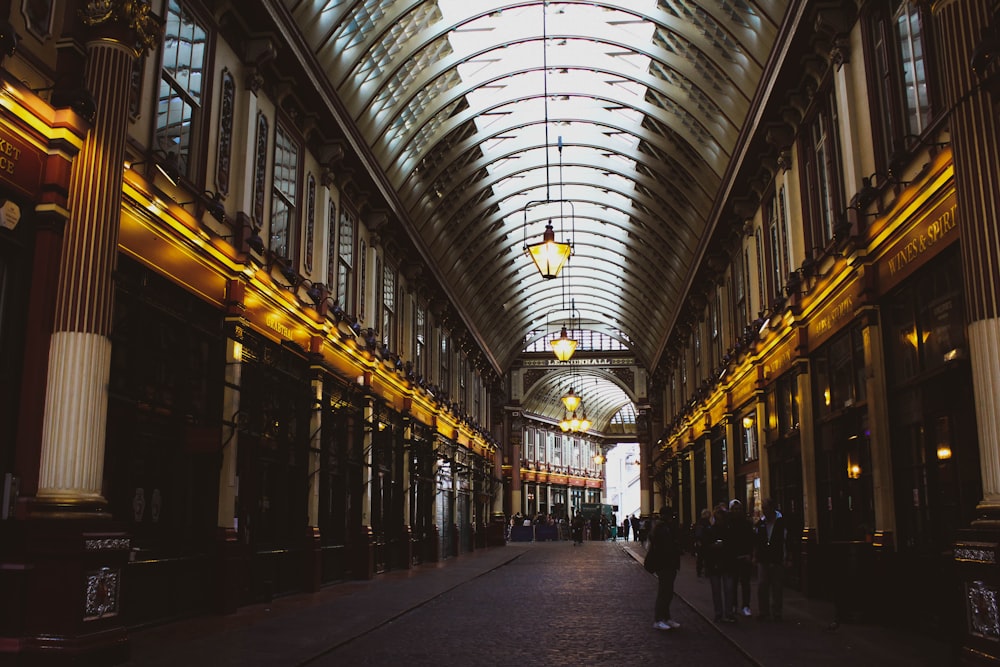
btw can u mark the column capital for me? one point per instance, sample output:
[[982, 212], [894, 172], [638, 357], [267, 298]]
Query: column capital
[[131, 22]]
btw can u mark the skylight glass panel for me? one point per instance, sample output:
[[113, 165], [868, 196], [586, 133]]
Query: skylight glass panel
[[361, 23]]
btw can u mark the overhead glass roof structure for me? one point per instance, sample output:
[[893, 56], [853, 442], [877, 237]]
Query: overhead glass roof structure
[[616, 121]]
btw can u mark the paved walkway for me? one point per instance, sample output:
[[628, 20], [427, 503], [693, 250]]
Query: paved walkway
[[523, 604], [807, 635]]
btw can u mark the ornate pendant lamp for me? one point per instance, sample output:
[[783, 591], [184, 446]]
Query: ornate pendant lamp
[[564, 346], [549, 255], [571, 400]]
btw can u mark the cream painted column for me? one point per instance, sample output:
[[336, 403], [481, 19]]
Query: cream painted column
[[314, 459], [731, 445], [807, 448], [228, 472], [407, 472], [709, 481], [516, 504], [878, 427], [71, 471], [763, 458], [693, 486], [368, 427], [975, 137], [679, 476]]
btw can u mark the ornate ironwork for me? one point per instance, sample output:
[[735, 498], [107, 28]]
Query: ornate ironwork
[[260, 168], [984, 618], [226, 110], [307, 260], [107, 543], [101, 598]]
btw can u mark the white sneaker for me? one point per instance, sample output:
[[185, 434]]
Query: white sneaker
[[661, 625], [746, 611], [672, 623]]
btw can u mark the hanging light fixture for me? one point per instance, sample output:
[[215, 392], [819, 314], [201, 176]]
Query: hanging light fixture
[[564, 346], [571, 400], [549, 255], [571, 422]]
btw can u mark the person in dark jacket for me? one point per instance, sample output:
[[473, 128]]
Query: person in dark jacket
[[771, 555], [704, 521], [743, 542], [664, 546], [720, 564]]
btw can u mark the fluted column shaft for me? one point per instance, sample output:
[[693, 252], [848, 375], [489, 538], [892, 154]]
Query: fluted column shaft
[[974, 136], [73, 436]]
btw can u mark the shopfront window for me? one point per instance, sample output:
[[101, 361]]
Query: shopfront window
[[840, 373], [932, 415], [750, 450], [843, 446], [720, 469]]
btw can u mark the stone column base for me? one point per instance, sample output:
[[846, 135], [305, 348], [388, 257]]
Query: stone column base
[[62, 592], [976, 558]]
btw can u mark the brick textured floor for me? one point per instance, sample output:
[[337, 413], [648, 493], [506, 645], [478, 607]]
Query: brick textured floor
[[521, 605], [555, 605]]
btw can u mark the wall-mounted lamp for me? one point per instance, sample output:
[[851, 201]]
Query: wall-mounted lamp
[[8, 41], [943, 451], [316, 292], [748, 422], [211, 202], [290, 274], [77, 98], [167, 164], [214, 206], [255, 242]]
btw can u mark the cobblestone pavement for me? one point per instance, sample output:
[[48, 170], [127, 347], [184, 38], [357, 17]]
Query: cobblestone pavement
[[554, 605], [547, 603]]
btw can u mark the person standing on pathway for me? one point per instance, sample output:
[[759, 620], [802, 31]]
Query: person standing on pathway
[[771, 554], [665, 550]]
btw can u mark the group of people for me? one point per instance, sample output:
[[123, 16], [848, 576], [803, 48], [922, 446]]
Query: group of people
[[728, 544], [634, 525]]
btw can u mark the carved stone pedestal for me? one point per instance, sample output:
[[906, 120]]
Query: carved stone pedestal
[[976, 567], [61, 602]]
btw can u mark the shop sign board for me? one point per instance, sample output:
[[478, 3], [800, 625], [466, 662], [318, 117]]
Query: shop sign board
[[927, 234]]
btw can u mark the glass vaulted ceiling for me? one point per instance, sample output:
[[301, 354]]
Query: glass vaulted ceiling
[[645, 100]]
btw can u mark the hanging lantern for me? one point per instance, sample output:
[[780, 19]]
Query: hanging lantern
[[549, 255], [564, 346]]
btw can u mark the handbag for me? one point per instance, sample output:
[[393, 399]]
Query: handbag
[[649, 562]]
